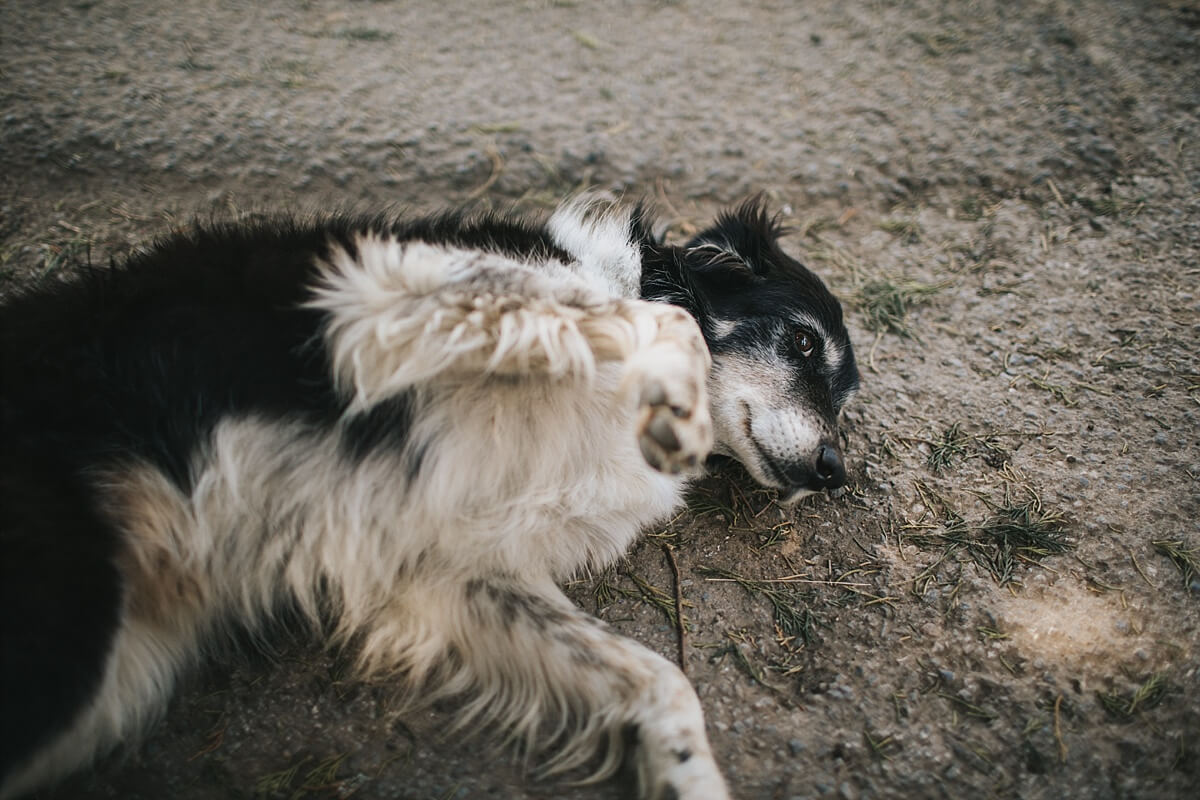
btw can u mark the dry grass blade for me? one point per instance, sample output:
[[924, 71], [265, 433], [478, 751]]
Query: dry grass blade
[[952, 446], [1184, 557], [322, 778], [1058, 737], [276, 782], [603, 590], [790, 610], [1015, 532], [969, 708], [881, 745], [731, 648], [1026, 530], [738, 642], [906, 229], [63, 254], [886, 304], [654, 597], [702, 503], [1126, 705], [990, 634]]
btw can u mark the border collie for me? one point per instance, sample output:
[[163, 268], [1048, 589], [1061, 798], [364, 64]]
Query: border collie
[[410, 430]]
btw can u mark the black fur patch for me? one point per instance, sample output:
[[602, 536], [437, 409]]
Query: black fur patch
[[59, 601], [493, 233], [515, 606]]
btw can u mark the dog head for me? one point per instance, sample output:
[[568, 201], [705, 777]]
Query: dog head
[[783, 365]]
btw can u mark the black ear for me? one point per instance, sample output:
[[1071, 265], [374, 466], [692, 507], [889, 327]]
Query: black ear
[[715, 264], [741, 245]]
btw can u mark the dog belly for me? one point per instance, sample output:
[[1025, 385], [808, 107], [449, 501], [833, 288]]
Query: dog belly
[[544, 478]]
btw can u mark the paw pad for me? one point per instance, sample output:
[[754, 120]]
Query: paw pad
[[674, 429]]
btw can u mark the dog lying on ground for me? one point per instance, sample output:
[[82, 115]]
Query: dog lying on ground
[[410, 430]]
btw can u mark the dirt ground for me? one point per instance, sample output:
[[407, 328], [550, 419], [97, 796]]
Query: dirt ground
[[1007, 196]]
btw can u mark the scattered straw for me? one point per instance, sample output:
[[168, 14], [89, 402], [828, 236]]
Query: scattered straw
[[952, 446], [1184, 557], [791, 612], [216, 738], [277, 782], [969, 708], [1125, 705], [653, 596], [1016, 532], [886, 304]]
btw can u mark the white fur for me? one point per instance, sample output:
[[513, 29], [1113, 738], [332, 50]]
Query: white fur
[[598, 236]]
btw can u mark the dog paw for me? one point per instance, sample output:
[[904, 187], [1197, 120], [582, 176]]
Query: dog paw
[[674, 428], [679, 774]]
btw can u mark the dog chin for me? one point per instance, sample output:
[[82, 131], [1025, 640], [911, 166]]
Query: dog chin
[[789, 497]]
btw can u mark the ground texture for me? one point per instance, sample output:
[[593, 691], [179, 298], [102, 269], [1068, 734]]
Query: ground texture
[[1007, 196]]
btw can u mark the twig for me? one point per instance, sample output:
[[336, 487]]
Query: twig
[[1062, 746], [680, 625], [215, 738], [1138, 567], [788, 579], [1057, 195], [871, 354], [497, 169]]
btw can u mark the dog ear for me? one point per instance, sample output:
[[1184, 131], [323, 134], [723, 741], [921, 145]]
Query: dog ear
[[713, 263], [741, 246]]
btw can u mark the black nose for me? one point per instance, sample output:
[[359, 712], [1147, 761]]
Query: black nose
[[830, 472]]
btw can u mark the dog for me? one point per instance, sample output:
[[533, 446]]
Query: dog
[[409, 430]]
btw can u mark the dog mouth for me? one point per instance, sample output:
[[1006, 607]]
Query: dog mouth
[[797, 480], [790, 491], [768, 466], [775, 474]]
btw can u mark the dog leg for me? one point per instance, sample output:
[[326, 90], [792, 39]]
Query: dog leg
[[674, 427], [558, 679], [399, 315]]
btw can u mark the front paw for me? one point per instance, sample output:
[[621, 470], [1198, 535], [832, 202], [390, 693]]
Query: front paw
[[678, 773], [674, 428]]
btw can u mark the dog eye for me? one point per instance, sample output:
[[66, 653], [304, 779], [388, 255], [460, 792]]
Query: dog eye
[[805, 343]]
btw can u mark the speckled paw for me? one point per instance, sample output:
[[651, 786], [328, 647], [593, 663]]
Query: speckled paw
[[674, 428]]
